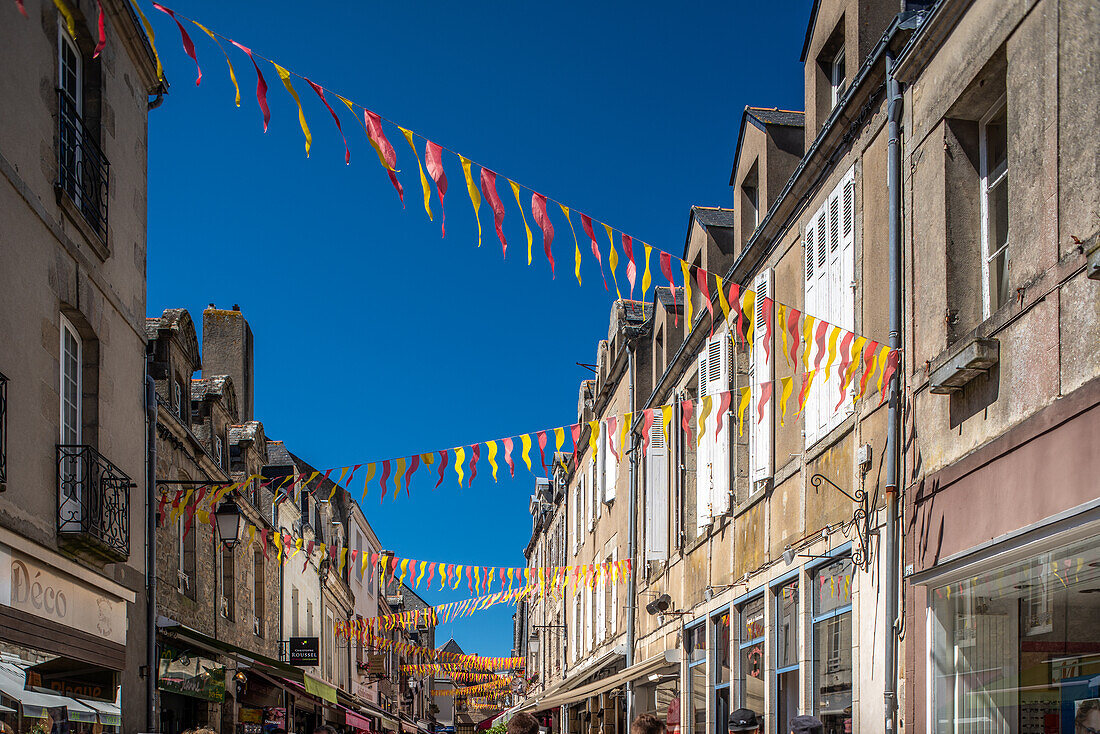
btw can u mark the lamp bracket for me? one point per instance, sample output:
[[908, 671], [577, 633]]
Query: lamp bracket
[[860, 521]]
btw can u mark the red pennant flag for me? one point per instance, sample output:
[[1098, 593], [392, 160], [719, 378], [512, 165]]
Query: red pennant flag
[[891, 366], [538, 208], [414, 464], [382, 480], [433, 160], [393, 568], [160, 507], [612, 423], [444, 457], [575, 431], [701, 278], [586, 222], [845, 360], [385, 151], [723, 407], [489, 190], [819, 339], [735, 303], [321, 93], [686, 408], [765, 396], [647, 425], [766, 311], [792, 326], [264, 534], [23, 10], [188, 44], [868, 364], [508, 456], [261, 84], [807, 379], [475, 454], [469, 579], [101, 27], [541, 435], [666, 268], [631, 268]]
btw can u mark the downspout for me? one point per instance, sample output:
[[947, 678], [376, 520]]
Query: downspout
[[893, 569], [150, 550], [632, 538]]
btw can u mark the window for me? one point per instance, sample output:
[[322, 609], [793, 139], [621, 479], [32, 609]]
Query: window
[[837, 78], [762, 377], [258, 602], [590, 494], [229, 584], [177, 398], [656, 495], [70, 73], [828, 251], [1016, 646], [219, 451], [786, 654], [712, 457], [832, 639], [294, 629], [750, 654], [720, 634], [588, 615], [614, 610], [695, 641], [608, 466], [750, 202], [70, 422], [577, 625], [309, 618], [993, 141], [185, 566]]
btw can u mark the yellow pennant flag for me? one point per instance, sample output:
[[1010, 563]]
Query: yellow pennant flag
[[646, 278], [404, 570], [666, 419], [285, 76], [343, 559], [525, 442], [232, 74], [576, 245], [339, 482], [593, 436], [460, 457], [807, 341], [423, 179], [515, 192], [748, 307], [807, 382], [363, 563], [624, 430], [705, 403], [491, 446], [787, 384], [251, 536], [781, 323], [203, 516], [722, 300], [746, 394], [62, 7], [370, 476], [883, 357], [613, 258], [399, 472], [458, 577], [559, 440], [423, 567], [834, 334], [475, 195], [685, 269], [857, 351]]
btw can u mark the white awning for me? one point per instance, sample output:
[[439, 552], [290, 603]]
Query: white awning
[[33, 703], [110, 714], [638, 670]]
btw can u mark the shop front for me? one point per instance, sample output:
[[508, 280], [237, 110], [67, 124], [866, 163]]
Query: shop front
[[656, 683], [192, 686]]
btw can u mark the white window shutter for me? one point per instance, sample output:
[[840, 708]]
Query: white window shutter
[[611, 467], [656, 496], [597, 490], [573, 517], [721, 486], [614, 611], [704, 371], [764, 370]]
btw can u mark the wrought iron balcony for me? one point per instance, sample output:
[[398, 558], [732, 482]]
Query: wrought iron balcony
[[83, 172], [93, 497]]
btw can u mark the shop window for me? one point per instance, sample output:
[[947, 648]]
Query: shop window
[[786, 655], [1018, 647], [720, 634], [696, 647], [832, 639], [750, 655]]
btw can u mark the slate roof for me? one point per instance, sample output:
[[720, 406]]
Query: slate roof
[[714, 216], [278, 455], [204, 387], [664, 295], [636, 311], [249, 431], [776, 116], [452, 646]]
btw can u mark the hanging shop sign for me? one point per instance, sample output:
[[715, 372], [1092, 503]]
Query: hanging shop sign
[[185, 672], [304, 651]]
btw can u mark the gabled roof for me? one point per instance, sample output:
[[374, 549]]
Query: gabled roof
[[248, 431], [278, 454], [809, 30], [760, 118], [176, 323], [452, 646]]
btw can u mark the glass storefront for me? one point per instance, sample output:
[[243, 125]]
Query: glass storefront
[[720, 633], [696, 639], [832, 645], [786, 654], [750, 655], [1017, 649]]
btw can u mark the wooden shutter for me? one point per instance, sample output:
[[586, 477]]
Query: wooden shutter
[[573, 517], [703, 446], [594, 484], [611, 467], [764, 371], [656, 496], [721, 370]]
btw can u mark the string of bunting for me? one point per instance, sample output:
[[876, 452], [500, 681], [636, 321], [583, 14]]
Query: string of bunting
[[428, 654]]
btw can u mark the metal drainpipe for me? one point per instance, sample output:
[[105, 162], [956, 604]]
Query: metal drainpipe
[[892, 571], [632, 540], [150, 550]]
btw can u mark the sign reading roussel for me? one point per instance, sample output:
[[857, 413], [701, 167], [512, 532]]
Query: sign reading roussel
[[304, 651]]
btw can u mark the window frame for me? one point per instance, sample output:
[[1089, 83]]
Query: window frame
[[715, 685], [834, 614], [988, 180], [736, 672], [68, 328], [777, 586], [692, 665], [837, 83]]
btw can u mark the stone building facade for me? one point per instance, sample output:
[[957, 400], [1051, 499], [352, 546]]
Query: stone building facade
[[73, 192]]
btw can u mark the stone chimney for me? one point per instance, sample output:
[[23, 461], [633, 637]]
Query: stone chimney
[[227, 350]]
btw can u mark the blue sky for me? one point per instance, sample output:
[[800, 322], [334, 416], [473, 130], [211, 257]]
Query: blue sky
[[374, 337]]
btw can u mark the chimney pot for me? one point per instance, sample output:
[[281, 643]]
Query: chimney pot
[[236, 307]]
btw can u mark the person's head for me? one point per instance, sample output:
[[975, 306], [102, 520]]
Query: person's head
[[324, 729], [1087, 720], [807, 725], [647, 724], [201, 730], [523, 724], [744, 720]]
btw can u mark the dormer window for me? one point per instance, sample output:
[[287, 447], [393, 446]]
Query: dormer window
[[837, 79]]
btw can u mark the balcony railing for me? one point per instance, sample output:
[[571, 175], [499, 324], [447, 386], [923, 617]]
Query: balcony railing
[[82, 169], [3, 431], [93, 503]]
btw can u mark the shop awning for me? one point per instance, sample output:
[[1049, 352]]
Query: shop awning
[[33, 703], [319, 688], [355, 720], [634, 672], [172, 628], [110, 714], [390, 724]]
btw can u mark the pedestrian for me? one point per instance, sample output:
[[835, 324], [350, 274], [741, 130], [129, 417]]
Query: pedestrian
[[647, 724], [200, 730], [523, 724], [807, 725], [744, 720], [324, 729]]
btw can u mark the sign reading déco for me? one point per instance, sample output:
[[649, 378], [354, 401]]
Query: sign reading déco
[[28, 587], [304, 651]]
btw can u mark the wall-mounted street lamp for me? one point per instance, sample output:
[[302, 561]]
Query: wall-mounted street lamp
[[228, 521]]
